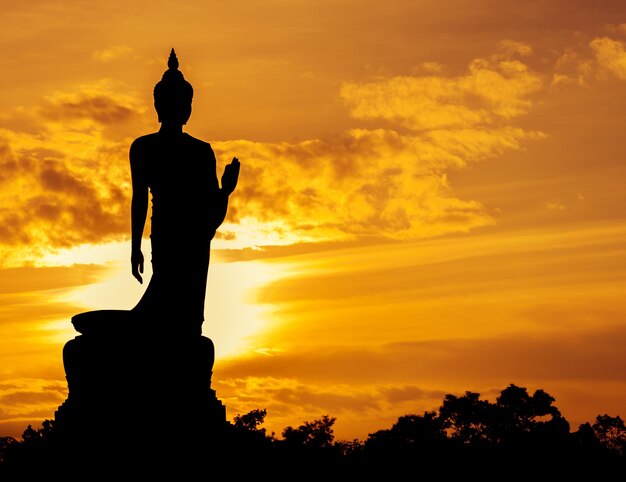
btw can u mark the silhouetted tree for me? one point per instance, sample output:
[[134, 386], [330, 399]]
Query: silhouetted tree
[[317, 434], [7, 445], [311, 445], [596, 448], [349, 448], [38, 449], [411, 433], [467, 419], [249, 440], [524, 421], [585, 443], [611, 433], [413, 439], [251, 421], [521, 411], [519, 431], [36, 436]]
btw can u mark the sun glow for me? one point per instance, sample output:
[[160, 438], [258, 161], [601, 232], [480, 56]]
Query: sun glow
[[87, 254], [232, 314]]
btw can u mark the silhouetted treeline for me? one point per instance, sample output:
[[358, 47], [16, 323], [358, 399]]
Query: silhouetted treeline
[[518, 434]]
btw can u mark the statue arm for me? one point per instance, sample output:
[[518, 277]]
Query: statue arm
[[229, 182], [139, 210]]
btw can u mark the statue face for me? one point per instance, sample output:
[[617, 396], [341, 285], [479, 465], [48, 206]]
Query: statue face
[[184, 113], [174, 114]]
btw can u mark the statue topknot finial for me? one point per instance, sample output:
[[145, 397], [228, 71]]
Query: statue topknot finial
[[172, 62]]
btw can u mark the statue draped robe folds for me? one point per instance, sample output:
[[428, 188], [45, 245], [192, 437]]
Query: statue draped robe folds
[[187, 208]]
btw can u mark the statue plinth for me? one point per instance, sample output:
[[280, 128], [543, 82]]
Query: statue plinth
[[138, 390]]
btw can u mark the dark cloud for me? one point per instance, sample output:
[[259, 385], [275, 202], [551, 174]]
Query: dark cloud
[[288, 400], [582, 356], [409, 393], [56, 178], [32, 417], [100, 108], [8, 386], [28, 397], [12, 427], [52, 200], [8, 164]]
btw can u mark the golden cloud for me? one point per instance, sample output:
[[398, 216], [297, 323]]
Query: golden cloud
[[512, 47], [600, 59], [363, 183], [571, 68], [380, 181], [610, 54], [66, 179], [113, 52], [494, 88]]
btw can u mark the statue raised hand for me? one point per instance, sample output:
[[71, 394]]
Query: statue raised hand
[[230, 176]]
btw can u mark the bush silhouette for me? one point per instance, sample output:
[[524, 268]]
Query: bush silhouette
[[519, 430]]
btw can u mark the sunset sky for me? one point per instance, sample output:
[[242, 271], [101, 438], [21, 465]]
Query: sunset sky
[[432, 197]]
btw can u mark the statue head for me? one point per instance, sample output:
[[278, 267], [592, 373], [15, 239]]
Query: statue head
[[173, 94]]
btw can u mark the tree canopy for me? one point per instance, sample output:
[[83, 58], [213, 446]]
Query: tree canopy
[[518, 429]]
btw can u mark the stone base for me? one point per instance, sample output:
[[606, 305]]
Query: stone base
[[138, 395]]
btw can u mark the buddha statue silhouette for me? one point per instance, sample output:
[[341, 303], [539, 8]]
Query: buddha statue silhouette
[[151, 362], [188, 205]]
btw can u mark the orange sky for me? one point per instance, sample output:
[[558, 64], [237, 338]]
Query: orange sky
[[431, 197]]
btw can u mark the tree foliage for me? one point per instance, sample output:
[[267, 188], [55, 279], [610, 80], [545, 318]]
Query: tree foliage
[[519, 429], [611, 433], [317, 434], [251, 421]]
